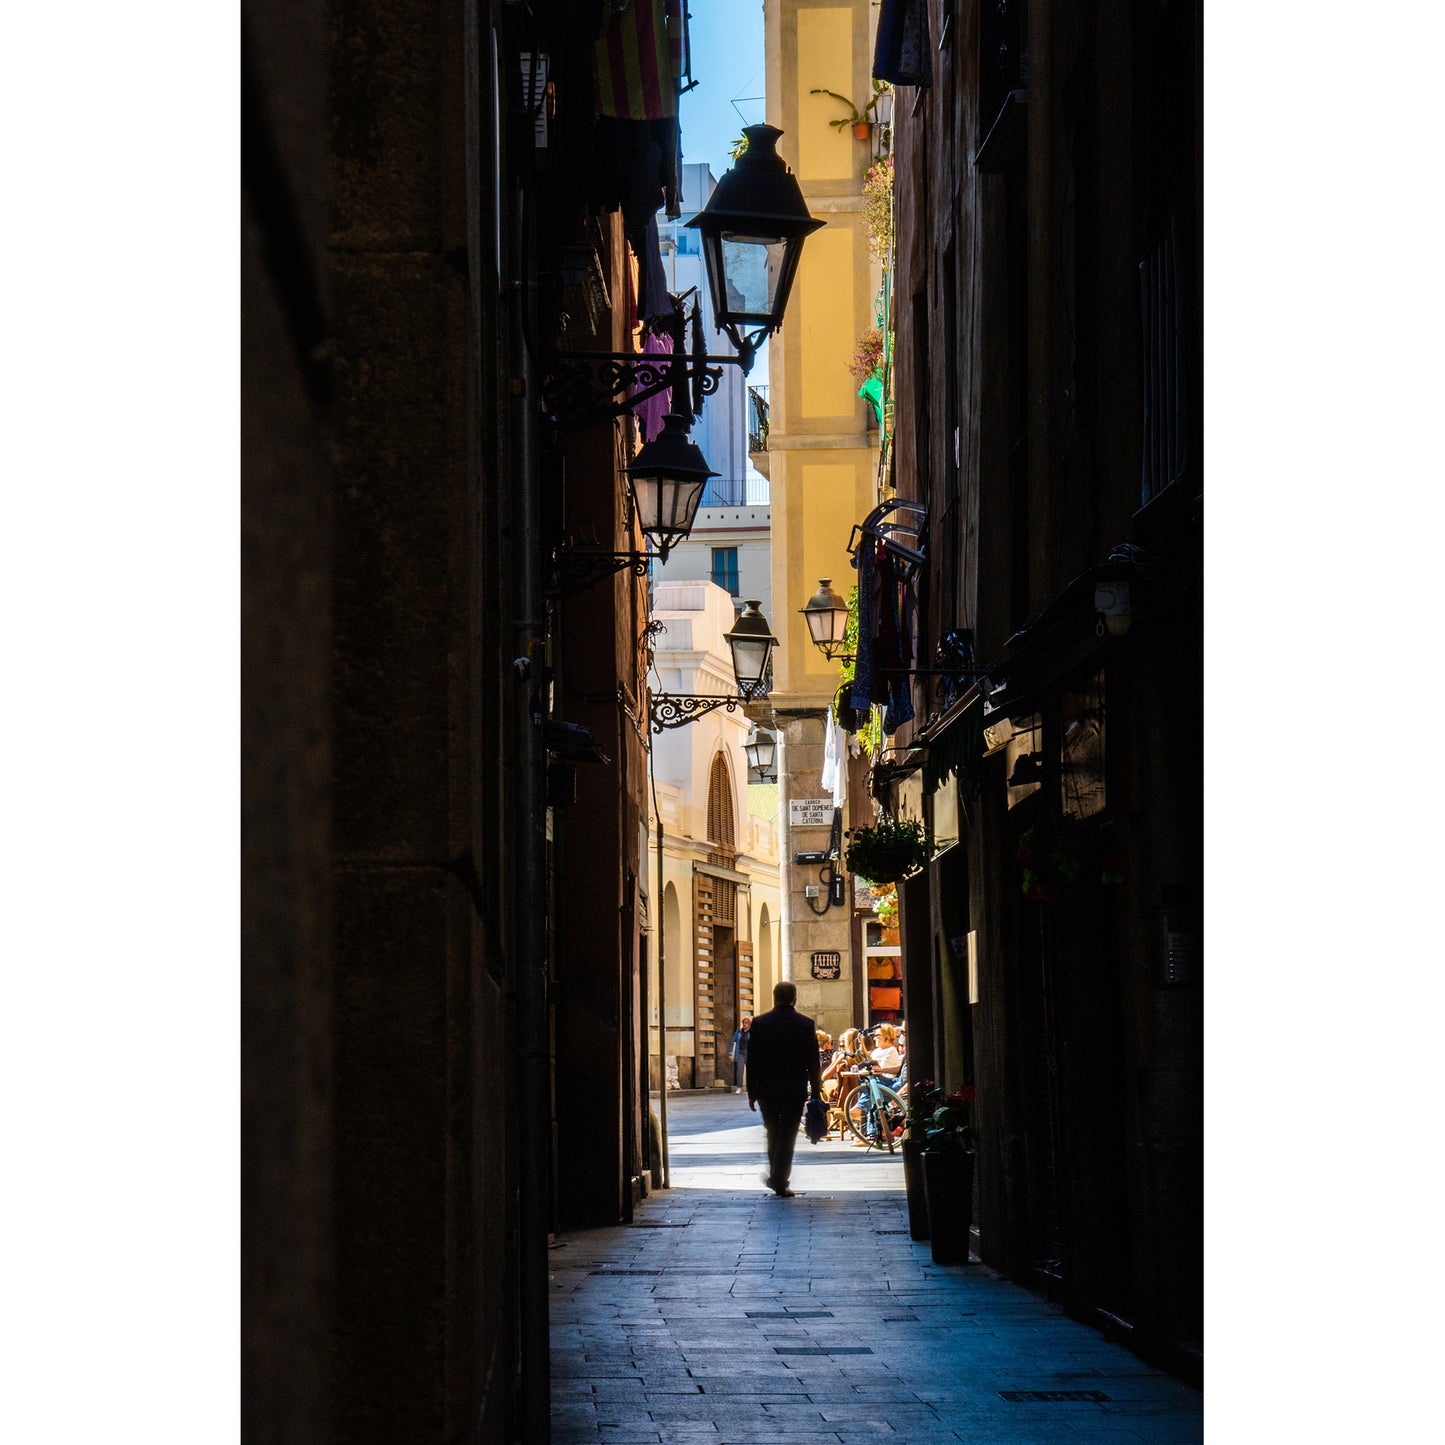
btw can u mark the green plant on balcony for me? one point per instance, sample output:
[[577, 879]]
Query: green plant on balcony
[[867, 360], [878, 207], [857, 119]]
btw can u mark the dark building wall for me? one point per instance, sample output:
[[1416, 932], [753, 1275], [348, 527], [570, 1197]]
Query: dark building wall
[[380, 1289], [1022, 227], [287, 1273]]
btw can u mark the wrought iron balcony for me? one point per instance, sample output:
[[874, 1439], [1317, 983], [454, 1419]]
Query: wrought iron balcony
[[736, 492], [757, 418]]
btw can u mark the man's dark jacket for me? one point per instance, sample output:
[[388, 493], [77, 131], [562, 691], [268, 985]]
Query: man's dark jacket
[[783, 1056]]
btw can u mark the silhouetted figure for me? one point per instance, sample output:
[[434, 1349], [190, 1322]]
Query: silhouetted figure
[[782, 1070], [738, 1053]]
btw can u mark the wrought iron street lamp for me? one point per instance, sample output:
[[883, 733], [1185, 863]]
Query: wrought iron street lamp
[[827, 617], [752, 643], [753, 228], [666, 479], [761, 751]]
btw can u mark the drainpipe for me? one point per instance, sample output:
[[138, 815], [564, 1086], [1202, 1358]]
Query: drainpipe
[[534, 1101]]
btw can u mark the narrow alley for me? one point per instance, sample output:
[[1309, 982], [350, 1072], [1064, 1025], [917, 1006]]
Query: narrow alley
[[725, 1314]]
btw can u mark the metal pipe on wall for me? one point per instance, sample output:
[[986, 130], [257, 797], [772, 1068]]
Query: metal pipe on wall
[[665, 1162], [534, 1111]]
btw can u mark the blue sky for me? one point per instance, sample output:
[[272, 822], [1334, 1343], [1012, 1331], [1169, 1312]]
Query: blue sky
[[727, 63]]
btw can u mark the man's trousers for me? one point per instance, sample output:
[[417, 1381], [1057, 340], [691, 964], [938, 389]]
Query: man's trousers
[[781, 1118]]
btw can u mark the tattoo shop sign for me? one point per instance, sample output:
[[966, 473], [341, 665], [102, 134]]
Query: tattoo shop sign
[[827, 965], [810, 812]]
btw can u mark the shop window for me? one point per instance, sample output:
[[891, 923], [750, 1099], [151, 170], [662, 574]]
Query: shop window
[[1081, 760], [883, 963], [1024, 758]]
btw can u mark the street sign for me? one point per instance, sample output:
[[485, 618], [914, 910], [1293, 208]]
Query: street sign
[[810, 812]]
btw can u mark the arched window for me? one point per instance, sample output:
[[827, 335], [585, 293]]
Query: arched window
[[720, 827]]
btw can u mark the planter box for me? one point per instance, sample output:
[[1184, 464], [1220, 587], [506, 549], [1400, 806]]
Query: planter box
[[948, 1186], [913, 1184]]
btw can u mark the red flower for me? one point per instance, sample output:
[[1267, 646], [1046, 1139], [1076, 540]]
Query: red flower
[[966, 1095]]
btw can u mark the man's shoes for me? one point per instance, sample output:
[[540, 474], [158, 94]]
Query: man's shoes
[[785, 1194], [737, 1091]]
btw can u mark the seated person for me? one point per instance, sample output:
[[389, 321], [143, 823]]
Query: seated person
[[886, 1058], [849, 1051], [825, 1049]]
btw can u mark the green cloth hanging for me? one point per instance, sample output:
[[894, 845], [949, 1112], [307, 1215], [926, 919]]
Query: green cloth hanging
[[872, 392]]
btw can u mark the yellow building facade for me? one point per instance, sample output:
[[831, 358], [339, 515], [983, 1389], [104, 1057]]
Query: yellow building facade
[[823, 447]]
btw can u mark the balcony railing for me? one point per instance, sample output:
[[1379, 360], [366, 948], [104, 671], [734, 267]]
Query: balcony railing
[[735, 492], [757, 418]]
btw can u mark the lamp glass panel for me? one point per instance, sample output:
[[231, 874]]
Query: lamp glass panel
[[767, 748], [826, 625], [666, 506], [752, 266], [750, 658]]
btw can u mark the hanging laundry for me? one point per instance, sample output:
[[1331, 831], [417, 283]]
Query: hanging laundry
[[654, 301], [902, 54], [636, 69], [637, 61], [835, 775], [651, 410], [866, 561]]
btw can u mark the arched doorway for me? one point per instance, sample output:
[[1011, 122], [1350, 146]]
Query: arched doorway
[[677, 1034], [724, 964], [766, 977]]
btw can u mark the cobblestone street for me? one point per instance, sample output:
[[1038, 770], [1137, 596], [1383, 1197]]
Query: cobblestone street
[[726, 1314]]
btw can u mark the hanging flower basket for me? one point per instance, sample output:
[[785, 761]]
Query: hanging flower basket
[[889, 851]]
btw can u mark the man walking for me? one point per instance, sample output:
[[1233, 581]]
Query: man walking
[[782, 1067]]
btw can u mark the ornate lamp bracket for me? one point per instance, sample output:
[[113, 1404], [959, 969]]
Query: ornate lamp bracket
[[585, 388], [577, 571], [676, 710]]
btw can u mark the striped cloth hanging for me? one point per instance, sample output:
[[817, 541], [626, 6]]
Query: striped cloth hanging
[[637, 62]]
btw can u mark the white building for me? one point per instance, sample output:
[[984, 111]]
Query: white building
[[721, 906]]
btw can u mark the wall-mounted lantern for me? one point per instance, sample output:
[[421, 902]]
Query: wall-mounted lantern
[[761, 751], [753, 228], [752, 643], [827, 617]]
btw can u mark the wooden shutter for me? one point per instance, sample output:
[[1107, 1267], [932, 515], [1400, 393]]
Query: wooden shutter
[[703, 907], [747, 981]]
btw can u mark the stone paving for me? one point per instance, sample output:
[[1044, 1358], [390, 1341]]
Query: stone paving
[[724, 1314]]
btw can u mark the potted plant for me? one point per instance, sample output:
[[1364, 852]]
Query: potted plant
[[949, 1141], [889, 851], [867, 356], [923, 1098], [857, 119]]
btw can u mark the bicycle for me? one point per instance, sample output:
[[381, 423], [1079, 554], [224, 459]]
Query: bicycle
[[873, 1113]]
